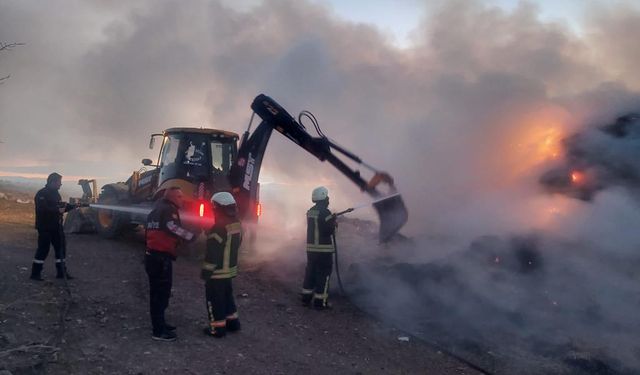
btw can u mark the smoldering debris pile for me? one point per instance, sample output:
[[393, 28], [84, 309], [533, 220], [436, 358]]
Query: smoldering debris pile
[[598, 158], [509, 304]]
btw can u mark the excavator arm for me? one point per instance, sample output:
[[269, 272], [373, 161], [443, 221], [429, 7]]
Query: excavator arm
[[244, 174]]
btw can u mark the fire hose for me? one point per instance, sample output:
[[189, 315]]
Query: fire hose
[[67, 303], [335, 254]]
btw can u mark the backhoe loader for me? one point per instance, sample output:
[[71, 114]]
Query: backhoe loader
[[204, 161]]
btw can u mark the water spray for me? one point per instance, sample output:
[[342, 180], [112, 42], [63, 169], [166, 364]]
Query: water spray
[[185, 216], [133, 210], [365, 204]]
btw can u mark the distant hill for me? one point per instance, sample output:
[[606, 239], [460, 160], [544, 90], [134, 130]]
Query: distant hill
[[26, 188]]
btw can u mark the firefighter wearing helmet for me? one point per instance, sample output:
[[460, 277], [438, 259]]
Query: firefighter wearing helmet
[[220, 266], [321, 224]]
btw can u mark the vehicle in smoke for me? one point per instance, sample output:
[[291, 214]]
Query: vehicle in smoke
[[204, 161], [598, 158]]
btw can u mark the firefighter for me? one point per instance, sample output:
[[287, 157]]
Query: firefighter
[[220, 266], [49, 212], [321, 226], [163, 235]]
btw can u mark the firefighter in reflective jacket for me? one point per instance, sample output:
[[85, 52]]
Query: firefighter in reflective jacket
[[49, 211], [321, 226], [220, 266], [163, 235]]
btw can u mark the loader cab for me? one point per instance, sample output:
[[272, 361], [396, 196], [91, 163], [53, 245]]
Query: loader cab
[[198, 156]]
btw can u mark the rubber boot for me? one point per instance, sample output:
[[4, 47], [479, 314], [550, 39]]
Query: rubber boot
[[233, 325], [217, 332], [320, 304], [61, 271], [36, 272], [306, 299]]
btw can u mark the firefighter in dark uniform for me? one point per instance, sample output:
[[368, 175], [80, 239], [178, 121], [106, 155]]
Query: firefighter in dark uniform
[[49, 211], [321, 226], [220, 266], [163, 235]]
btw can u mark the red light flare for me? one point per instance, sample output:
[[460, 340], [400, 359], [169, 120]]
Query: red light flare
[[258, 209], [577, 177]]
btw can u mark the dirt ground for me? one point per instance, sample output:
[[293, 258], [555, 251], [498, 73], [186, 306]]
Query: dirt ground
[[100, 323]]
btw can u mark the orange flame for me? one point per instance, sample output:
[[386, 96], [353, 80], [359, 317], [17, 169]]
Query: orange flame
[[538, 144]]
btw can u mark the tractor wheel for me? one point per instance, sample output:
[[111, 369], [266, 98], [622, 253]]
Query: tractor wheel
[[110, 223]]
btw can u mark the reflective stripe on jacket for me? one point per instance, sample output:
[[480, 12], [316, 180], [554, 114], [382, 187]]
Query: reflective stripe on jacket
[[223, 245], [320, 228]]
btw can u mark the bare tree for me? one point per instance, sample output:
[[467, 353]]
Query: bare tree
[[6, 47]]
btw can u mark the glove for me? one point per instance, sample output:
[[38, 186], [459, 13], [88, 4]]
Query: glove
[[194, 237], [66, 207]]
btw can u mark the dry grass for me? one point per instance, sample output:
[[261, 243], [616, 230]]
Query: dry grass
[[13, 213]]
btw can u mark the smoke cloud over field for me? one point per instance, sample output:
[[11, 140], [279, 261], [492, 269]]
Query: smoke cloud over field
[[467, 119]]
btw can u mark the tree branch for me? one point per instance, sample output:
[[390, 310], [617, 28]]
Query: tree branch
[[8, 46]]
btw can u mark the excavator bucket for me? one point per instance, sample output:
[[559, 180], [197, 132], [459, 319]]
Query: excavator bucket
[[393, 215], [391, 210]]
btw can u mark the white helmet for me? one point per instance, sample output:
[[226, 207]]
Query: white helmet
[[319, 194], [223, 198]]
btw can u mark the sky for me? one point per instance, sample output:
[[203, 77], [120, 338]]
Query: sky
[[400, 18]]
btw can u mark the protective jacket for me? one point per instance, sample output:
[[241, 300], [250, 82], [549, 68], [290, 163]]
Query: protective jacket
[[164, 230], [223, 244], [321, 225], [48, 215]]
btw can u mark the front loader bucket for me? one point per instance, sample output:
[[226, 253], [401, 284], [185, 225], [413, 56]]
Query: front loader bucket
[[393, 215]]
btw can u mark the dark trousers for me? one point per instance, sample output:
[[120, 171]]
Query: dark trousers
[[316, 277], [159, 270], [47, 238], [220, 302]]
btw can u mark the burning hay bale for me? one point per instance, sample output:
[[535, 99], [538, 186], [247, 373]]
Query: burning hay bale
[[598, 158]]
